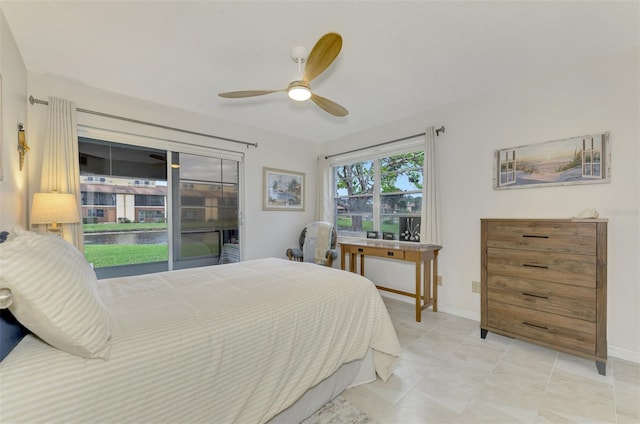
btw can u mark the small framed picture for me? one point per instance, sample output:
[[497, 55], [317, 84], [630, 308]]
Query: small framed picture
[[388, 236], [282, 190], [410, 228], [372, 234]]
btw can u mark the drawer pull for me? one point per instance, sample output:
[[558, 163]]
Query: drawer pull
[[536, 266], [360, 250], [542, 327], [532, 236], [389, 253], [535, 295]]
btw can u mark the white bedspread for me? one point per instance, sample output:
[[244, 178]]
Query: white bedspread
[[221, 344]]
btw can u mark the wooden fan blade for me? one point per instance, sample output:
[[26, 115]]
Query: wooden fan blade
[[322, 55], [246, 93], [329, 106]]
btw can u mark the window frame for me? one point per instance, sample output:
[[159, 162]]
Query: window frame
[[375, 156]]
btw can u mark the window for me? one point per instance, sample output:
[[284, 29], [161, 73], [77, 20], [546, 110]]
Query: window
[[94, 198], [508, 168], [149, 200], [98, 213], [379, 194], [591, 159], [129, 227]]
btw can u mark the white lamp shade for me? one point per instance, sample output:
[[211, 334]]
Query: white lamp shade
[[54, 208]]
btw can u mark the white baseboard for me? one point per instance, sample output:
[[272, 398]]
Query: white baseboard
[[460, 312], [441, 308], [627, 355]]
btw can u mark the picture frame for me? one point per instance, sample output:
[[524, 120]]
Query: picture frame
[[372, 234], [409, 228], [283, 190], [577, 160], [388, 235]]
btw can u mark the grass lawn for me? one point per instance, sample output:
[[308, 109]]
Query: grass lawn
[[102, 255], [133, 226], [344, 223]]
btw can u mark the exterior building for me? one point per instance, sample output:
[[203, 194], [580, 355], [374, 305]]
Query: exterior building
[[113, 199]]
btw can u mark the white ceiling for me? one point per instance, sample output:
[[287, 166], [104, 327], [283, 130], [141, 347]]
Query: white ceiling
[[399, 58]]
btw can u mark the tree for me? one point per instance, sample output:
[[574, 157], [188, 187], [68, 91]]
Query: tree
[[408, 164], [357, 179]]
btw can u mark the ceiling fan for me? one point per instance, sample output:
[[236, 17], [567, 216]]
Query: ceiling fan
[[322, 55]]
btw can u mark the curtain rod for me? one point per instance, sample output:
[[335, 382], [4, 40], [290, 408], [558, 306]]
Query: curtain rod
[[438, 131], [33, 100]]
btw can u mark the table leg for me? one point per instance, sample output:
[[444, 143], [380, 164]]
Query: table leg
[[427, 282], [362, 265], [435, 281], [418, 291]]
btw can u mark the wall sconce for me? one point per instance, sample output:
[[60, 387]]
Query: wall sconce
[[23, 148], [54, 208]]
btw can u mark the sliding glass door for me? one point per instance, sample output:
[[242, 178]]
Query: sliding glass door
[[142, 213], [206, 203]]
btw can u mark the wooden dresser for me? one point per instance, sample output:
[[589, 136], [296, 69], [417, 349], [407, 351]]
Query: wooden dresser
[[545, 281]]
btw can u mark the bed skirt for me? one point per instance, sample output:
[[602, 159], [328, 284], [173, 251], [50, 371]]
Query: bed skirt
[[348, 375]]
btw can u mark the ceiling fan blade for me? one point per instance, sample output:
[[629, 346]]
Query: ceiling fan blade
[[246, 93], [322, 55], [329, 106]]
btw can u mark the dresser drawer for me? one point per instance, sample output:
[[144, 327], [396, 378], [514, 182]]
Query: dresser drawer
[[561, 299], [569, 333], [380, 251], [564, 237], [578, 270]]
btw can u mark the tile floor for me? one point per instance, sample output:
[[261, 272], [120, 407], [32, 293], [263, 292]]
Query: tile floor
[[448, 374]]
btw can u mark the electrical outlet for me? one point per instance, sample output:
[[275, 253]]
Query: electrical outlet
[[439, 280], [475, 286]]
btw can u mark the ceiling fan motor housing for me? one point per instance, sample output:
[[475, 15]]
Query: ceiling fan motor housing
[[298, 54], [299, 91]]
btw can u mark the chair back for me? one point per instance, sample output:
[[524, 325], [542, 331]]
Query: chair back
[[317, 242], [334, 237]]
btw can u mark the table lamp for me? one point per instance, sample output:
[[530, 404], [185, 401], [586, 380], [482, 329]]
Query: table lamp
[[54, 208]]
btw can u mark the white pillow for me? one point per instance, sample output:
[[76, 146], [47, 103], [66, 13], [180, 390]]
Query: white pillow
[[55, 293]]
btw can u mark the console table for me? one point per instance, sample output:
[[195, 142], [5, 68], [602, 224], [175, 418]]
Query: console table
[[423, 255]]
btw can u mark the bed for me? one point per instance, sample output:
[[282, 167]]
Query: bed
[[250, 342]]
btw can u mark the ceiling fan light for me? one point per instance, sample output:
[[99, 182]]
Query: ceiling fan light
[[299, 93]]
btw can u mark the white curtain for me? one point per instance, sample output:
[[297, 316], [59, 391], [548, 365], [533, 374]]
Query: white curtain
[[60, 168], [431, 192], [324, 206]]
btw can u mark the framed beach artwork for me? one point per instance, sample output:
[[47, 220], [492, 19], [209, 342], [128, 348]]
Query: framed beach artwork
[[578, 160], [283, 190]]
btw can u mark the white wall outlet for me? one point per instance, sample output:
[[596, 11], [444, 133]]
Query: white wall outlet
[[439, 280], [475, 286]]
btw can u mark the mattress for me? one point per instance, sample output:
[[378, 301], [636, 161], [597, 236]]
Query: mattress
[[229, 343]]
